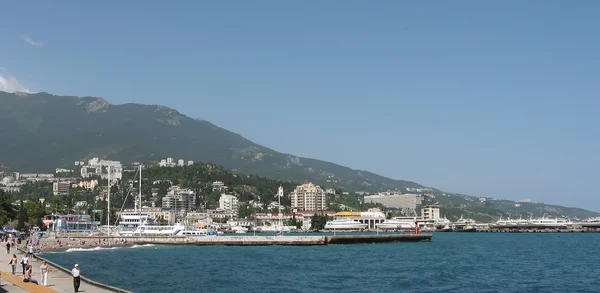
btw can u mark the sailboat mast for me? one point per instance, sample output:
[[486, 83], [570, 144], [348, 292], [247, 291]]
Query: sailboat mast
[[108, 201], [279, 194], [140, 188]]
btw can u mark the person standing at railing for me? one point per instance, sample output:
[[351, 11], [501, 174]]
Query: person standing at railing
[[76, 279]]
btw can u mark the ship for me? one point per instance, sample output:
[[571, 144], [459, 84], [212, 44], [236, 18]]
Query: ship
[[344, 224], [398, 223]]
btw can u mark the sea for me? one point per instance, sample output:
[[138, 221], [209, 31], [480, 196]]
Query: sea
[[451, 262]]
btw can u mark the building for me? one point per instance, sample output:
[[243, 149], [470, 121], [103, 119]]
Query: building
[[309, 197], [60, 188], [219, 186], [180, 163], [229, 203], [407, 203], [190, 163], [179, 200], [430, 213], [87, 184]]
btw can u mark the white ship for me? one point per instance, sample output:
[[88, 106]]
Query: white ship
[[130, 221], [154, 230], [550, 222], [196, 233], [344, 224], [398, 223]]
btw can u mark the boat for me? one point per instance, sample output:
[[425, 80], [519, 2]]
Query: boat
[[467, 228], [398, 223], [238, 229], [544, 222], [344, 224], [196, 233], [155, 230], [130, 221]]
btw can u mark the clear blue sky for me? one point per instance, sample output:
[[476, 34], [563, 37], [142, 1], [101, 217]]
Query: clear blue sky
[[488, 98]]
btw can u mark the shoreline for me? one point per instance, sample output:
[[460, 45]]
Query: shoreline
[[54, 245]]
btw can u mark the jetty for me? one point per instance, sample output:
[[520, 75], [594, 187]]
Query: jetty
[[59, 278], [287, 240]]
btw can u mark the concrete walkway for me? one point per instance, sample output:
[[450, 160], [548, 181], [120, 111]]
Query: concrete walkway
[[57, 279]]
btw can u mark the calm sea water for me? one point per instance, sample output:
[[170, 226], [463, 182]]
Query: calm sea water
[[452, 262]]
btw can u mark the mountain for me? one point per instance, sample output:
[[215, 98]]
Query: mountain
[[41, 132]]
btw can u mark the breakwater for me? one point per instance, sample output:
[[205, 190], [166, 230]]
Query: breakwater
[[289, 240]]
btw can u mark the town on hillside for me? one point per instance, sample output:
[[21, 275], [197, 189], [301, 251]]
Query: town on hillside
[[172, 192]]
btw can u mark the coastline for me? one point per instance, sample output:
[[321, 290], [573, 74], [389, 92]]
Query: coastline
[[54, 245]]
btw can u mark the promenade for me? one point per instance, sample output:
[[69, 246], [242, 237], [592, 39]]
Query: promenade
[[58, 280]]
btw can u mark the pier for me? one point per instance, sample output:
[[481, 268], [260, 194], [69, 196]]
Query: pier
[[289, 240], [59, 278]]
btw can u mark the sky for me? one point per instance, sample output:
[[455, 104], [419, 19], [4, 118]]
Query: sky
[[487, 98]]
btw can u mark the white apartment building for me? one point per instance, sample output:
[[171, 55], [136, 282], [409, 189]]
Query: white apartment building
[[309, 197], [430, 213], [229, 202]]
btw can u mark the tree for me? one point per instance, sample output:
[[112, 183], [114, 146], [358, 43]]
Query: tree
[[22, 217], [7, 210], [245, 210], [318, 221], [35, 212]]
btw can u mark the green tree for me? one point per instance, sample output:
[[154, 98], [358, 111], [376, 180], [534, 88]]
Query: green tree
[[35, 212], [318, 221], [22, 216], [7, 210], [245, 210]]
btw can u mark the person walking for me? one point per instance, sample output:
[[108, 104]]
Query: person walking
[[76, 279], [13, 264], [24, 263], [44, 271]]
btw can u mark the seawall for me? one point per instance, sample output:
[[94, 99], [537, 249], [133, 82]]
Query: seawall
[[308, 240], [83, 278]]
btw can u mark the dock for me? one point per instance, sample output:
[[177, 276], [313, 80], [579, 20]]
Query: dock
[[59, 278], [288, 240]]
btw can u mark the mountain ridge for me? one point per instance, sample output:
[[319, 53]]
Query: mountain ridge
[[75, 128], [42, 131]]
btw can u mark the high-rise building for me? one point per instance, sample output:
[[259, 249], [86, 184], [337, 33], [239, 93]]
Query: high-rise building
[[179, 200], [309, 197]]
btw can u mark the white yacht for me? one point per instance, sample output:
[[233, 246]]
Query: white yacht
[[344, 224], [154, 230], [239, 229], [550, 222], [196, 233], [130, 221], [397, 223]]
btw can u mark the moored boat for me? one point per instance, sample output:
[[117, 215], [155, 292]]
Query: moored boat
[[344, 224]]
